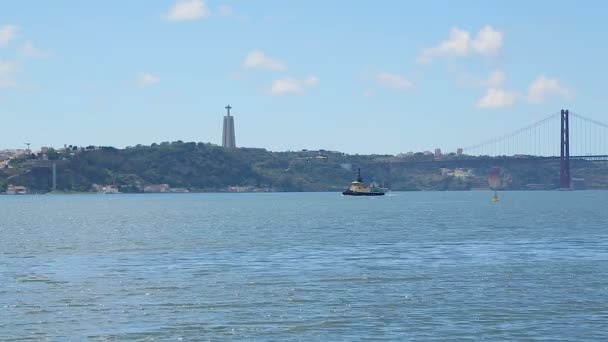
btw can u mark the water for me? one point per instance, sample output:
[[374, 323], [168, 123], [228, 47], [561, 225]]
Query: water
[[408, 266]]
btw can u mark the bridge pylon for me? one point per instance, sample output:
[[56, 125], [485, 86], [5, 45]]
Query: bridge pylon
[[565, 179]]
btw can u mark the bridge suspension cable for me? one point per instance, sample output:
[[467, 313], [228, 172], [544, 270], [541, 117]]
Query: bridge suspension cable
[[588, 137], [536, 136]]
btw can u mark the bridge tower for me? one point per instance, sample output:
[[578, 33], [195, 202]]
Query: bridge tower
[[564, 170]]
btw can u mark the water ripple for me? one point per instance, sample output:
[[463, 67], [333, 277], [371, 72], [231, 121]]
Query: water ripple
[[293, 267]]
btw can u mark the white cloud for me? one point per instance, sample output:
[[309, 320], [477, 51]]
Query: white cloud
[[258, 59], [7, 70], [292, 85], [460, 44], [7, 33], [188, 10], [488, 41], [148, 80], [497, 98], [31, 51], [544, 86], [393, 81]]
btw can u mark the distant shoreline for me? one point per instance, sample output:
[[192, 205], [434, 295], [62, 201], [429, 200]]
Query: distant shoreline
[[273, 192]]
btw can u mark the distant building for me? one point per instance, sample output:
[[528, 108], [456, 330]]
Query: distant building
[[16, 190], [228, 136], [111, 190], [578, 184], [157, 188], [44, 153], [238, 188], [8, 154], [249, 188], [438, 152], [404, 155], [459, 151], [179, 190], [462, 173], [106, 189], [457, 173]]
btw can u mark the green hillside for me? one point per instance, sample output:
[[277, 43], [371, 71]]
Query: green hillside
[[205, 167]]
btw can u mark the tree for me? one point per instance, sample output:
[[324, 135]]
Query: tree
[[3, 185], [52, 154]]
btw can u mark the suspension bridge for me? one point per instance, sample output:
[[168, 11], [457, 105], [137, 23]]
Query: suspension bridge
[[565, 136]]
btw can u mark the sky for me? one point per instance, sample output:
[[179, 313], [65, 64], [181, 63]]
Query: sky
[[363, 77]]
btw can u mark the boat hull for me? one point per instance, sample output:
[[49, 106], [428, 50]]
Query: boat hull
[[356, 193]]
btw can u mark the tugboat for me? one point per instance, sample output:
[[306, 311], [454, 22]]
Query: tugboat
[[358, 188]]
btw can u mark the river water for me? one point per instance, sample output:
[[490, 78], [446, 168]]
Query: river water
[[304, 267]]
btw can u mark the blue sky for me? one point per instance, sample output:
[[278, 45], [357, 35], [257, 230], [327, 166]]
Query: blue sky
[[359, 77]]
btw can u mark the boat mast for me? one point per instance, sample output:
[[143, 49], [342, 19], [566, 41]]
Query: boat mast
[[359, 179]]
